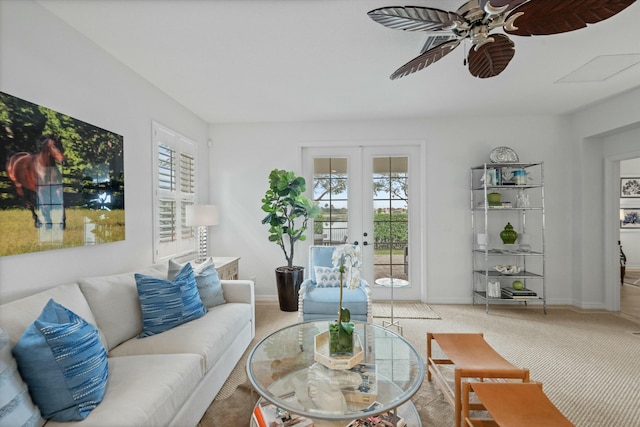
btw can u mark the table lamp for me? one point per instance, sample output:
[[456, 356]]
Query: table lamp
[[202, 216]]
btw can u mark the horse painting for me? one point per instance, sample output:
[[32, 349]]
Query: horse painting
[[38, 181]]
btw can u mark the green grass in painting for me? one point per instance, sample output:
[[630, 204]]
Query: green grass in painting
[[84, 226]]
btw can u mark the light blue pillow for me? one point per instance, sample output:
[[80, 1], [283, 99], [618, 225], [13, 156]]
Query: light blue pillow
[[207, 280], [16, 406], [166, 304], [62, 360]]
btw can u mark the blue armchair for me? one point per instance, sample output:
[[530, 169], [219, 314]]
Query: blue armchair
[[319, 294]]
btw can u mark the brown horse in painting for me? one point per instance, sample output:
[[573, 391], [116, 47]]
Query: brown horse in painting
[[38, 181]]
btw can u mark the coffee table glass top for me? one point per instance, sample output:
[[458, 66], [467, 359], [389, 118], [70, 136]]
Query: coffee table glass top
[[283, 363]]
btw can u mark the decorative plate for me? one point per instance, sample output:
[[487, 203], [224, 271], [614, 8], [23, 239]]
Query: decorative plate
[[508, 269], [503, 155]]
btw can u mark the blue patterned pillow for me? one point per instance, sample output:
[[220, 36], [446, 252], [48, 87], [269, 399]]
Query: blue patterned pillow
[[62, 360], [207, 280], [166, 304], [327, 277]]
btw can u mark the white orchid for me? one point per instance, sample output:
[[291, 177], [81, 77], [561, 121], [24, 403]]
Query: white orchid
[[348, 258]]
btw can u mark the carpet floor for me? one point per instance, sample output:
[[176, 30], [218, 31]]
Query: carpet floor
[[404, 310], [588, 361]]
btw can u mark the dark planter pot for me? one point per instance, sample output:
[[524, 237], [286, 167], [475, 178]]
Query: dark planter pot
[[288, 281]]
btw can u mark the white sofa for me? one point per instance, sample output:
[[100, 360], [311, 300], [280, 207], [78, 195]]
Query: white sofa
[[168, 379]]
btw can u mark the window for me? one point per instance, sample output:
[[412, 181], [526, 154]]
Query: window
[[174, 189]]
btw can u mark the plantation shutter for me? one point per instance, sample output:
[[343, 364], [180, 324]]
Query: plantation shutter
[[187, 189], [174, 189]]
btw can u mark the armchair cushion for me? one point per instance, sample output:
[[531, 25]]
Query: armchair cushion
[[323, 302], [320, 292]]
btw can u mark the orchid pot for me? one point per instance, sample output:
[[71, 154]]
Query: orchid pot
[[348, 259]]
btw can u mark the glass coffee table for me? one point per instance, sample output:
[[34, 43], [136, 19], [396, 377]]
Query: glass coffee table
[[283, 370]]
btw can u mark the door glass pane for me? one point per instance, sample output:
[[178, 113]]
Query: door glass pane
[[390, 217], [330, 192]]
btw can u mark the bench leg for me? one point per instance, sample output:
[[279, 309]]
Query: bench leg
[[429, 338], [458, 398]]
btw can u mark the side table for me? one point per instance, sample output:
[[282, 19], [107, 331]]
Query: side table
[[227, 267], [390, 282]]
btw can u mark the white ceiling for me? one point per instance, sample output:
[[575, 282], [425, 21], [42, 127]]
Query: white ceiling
[[308, 60]]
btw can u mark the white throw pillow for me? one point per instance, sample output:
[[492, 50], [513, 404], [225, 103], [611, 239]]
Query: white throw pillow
[[327, 277]]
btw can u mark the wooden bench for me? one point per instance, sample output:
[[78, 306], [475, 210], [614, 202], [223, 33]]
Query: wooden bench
[[474, 359], [512, 405]]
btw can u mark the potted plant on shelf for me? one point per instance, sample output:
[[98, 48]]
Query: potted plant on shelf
[[288, 213]]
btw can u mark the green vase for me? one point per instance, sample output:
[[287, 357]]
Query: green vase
[[494, 199], [341, 339], [508, 235]]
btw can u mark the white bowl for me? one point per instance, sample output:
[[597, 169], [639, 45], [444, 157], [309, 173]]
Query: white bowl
[[508, 269]]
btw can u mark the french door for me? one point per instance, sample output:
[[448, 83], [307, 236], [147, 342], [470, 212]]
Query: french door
[[371, 195]]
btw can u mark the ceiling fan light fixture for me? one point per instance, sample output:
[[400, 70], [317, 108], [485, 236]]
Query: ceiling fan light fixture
[[476, 19]]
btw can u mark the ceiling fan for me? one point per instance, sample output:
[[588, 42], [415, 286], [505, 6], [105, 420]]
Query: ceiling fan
[[490, 53]]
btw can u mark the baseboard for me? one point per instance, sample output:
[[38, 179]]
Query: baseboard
[[266, 299]]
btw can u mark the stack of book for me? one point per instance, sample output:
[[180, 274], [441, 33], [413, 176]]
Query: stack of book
[[380, 420], [266, 414], [497, 205], [518, 294], [367, 390]]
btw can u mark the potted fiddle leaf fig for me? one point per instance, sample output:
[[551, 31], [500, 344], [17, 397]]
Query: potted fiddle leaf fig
[[288, 213]]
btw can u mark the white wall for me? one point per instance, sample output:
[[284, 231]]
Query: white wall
[[46, 62], [602, 136], [452, 146], [630, 238]]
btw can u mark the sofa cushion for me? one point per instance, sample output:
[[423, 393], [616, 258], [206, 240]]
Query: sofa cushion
[[16, 316], [208, 336], [114, 302], [144, 391], [16, 406], [61, 358], [209, 286], [166, 304]]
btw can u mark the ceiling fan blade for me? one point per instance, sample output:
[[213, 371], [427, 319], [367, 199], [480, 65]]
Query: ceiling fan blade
[[415, 18], [426, 59], [544, 17], [497, 4], [500, 3], [490, 59]]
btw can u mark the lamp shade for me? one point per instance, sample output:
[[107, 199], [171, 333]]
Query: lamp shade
[[202, 215]]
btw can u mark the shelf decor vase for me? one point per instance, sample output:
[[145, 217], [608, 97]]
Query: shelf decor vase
[[508, 235], [494, 199]]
